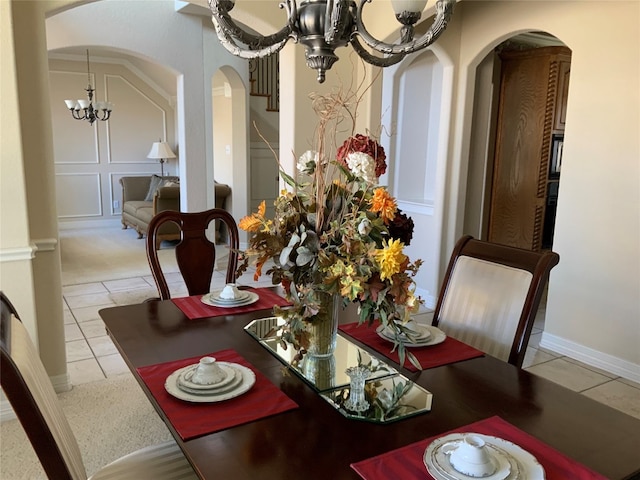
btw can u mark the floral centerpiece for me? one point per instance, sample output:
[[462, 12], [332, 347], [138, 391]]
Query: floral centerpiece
[[336, 234]]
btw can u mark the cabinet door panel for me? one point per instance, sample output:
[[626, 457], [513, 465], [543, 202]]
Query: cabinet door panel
[[516, 201], [564, 69]]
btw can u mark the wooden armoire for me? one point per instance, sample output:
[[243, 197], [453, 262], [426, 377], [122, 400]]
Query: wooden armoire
[[530, 127]]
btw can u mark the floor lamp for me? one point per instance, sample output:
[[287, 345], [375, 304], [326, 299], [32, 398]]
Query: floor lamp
[[161, 151]]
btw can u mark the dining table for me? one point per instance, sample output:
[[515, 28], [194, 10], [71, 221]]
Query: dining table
[[307, 437]]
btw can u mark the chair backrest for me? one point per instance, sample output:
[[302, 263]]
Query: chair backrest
[[195, 253], [31, 394], [490, 296]]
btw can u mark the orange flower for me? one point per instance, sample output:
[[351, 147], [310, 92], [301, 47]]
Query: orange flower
[[253, 222], [250, 223], [384, 204]]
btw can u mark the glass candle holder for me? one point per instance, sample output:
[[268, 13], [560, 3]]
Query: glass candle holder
[[357, 401]]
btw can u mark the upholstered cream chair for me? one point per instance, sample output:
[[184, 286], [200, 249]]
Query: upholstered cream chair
[[30, 392], [490, 296]]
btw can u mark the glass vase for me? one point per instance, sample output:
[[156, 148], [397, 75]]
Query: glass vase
[[323, 327], [357, 401]]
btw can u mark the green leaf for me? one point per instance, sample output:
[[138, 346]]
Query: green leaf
[[288, 179], [402, 353], [414, 361], [305, 256]]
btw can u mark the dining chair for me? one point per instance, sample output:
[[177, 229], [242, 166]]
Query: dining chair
[[490, 296], [195, 253], [30, 392]]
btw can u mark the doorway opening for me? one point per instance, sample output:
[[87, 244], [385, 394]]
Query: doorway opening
[[517, 136]]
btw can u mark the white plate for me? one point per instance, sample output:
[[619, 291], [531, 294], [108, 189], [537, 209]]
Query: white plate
[[248, 380], [210, 299], [241, 297], [440, 458], [420, 333], [520, 464], [235, 383], [437, 336], [184, 379]]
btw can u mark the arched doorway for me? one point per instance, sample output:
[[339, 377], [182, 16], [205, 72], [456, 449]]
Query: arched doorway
[[516, 141], [230, 160]]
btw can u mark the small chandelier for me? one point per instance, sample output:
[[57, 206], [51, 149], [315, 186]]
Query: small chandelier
[[324, 25], [87, 109]]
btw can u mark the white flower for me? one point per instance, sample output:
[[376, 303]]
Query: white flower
[[362, 165], [307, 162], [364, 227]]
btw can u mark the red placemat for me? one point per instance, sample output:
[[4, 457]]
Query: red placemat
[[194, 419], [407, 462], [449, 351], [193, 308]]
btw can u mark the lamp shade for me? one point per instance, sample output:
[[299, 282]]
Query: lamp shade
[[161, 150]]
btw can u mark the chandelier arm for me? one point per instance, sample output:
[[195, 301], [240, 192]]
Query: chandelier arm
[[341, 17], [372, 59], [444, 10], [228, 42], [231, 31]]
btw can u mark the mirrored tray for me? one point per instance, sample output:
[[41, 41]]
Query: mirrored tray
[[390, 399], [322, 373], [392, 396]]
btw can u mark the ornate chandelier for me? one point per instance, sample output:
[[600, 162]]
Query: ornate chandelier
[[87, 109], [324, 25]]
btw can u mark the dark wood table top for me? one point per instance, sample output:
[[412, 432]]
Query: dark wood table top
[[316, 442]]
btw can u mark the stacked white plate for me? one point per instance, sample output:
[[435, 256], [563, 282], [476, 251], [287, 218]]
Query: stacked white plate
[[511, 461], [237, 379], [243, 297], [420, 336]]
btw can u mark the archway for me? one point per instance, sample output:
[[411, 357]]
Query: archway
[[94, 157], [230, 160], [416, 99], [517, 129]]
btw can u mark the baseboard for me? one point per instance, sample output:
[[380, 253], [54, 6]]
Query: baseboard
[[595, 358], [429, 300], [61, 383], [80, 224]]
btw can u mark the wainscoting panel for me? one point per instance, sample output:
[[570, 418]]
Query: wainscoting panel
[[74, 141], [133, 105], [84, 201]]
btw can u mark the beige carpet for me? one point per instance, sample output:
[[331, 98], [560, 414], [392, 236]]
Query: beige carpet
[[101, 254], [110, 418]]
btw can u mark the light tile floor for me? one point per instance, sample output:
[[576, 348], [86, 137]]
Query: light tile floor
[[92, 356]]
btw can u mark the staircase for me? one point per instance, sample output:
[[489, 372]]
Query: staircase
[[264, 76]]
